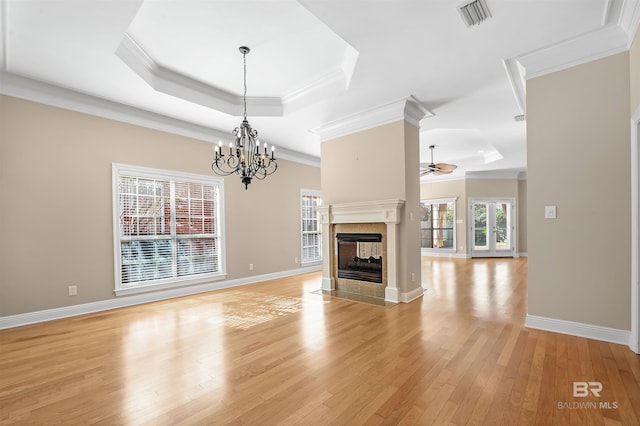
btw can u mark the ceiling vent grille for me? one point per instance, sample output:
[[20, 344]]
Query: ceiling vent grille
[[520, 117], [474, 12]]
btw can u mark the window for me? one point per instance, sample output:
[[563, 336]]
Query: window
[[311, 231], [167, 229], [438, 230]]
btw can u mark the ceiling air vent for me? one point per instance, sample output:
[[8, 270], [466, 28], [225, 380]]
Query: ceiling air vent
[[520, 117], [474, 12]]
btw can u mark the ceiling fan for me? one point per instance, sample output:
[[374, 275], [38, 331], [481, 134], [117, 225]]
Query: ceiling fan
[[436, 169]]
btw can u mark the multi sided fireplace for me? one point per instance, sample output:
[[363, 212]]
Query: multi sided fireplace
[[360, 256], [382, 216]]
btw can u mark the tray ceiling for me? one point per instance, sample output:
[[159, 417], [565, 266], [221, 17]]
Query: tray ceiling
[[175, 65]]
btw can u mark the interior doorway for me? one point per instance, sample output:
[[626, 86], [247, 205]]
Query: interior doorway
[[493, 227]]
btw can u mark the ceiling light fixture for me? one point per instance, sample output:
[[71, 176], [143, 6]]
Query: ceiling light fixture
[[244, 157]]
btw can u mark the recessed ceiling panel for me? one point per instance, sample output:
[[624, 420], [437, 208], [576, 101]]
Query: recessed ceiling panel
[[290, 48]]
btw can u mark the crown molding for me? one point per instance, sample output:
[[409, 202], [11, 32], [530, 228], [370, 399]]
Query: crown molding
[[176, 84], [414, 111], [515, 74], [618, 28], [619, 24], [173, 83], [409, 109], [579, 50], [32, 90], [630, 19], [44, 93], [331, 83]]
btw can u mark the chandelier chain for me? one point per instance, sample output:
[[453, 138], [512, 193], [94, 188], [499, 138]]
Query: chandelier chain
[[244, 60]]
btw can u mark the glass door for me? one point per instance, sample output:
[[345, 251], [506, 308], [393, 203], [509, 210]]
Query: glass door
[[493, 227]]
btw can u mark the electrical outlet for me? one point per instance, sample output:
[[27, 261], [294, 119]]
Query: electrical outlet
[[295, 260], [251, 266], [73, 290], [413, 276]]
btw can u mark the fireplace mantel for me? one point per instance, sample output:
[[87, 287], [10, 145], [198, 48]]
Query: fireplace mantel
[[385, 211], [382, 211]]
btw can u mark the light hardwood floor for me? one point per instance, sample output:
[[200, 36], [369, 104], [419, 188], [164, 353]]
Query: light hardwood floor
[[278, 353]]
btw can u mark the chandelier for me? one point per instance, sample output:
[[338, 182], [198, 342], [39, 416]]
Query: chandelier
[[244, 157]]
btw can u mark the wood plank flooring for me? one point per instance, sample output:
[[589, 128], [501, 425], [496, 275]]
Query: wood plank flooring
[[278, 353]]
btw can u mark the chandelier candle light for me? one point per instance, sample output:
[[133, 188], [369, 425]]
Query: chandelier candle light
[[244, 157]]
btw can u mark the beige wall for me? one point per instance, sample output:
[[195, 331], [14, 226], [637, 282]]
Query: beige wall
[[492, 188], [364, 166], [380, 163], [55, 199], [578, 154], [522, 216], [464, 189]]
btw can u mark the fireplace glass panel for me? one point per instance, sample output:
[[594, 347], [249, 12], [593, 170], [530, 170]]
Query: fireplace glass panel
[[360, 257]]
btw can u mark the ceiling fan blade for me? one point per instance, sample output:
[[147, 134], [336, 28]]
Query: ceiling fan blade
[[444, 167], [442, 172]]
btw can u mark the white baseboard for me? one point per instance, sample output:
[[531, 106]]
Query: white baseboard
[[634, 344], [461, 255], [451, 255], [138, 299], [611, 335], [411, 295]]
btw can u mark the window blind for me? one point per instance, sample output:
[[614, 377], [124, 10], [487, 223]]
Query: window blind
[[168, 228], [311, 231]]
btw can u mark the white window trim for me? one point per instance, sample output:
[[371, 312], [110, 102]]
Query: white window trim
[[116, 171], [313, 193], [455, 231]]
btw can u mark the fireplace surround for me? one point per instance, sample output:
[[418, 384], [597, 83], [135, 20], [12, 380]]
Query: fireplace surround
[[381, 217]]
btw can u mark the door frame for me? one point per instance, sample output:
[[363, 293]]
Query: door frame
[[634, 338], [514, 227]]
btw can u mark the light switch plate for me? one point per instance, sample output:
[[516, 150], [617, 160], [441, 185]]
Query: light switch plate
[[549, 212]]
